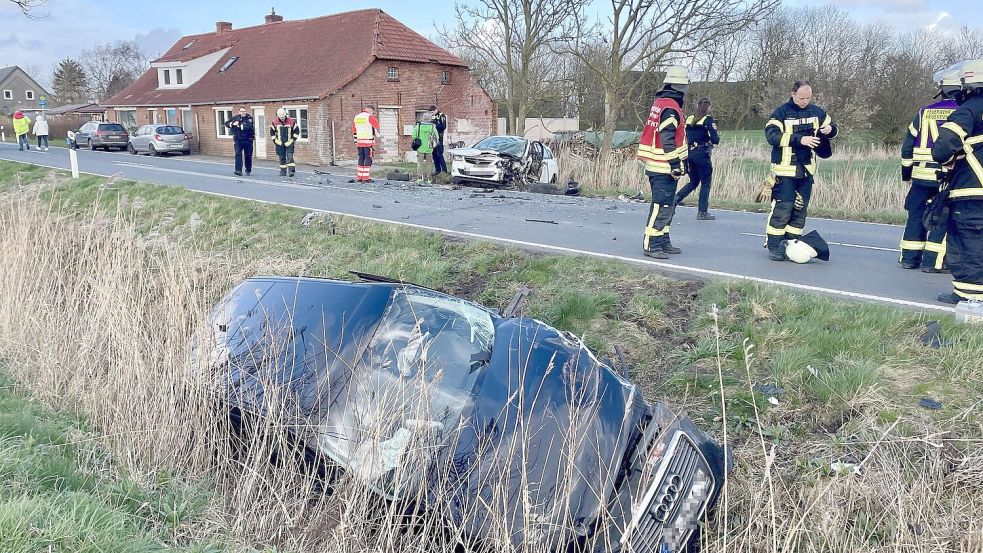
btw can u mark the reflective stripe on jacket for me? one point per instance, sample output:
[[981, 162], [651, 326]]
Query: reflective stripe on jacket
[[960, 143], [916, 150], [284, 132], [665, 114], [785, 130], [364, 130]]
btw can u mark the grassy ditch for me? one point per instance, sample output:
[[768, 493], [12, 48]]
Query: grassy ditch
[[107, 280]]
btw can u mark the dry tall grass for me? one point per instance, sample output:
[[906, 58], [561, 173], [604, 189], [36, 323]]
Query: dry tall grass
[[853, 181], [99, 320]]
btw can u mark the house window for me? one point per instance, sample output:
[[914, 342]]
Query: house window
[[228, 64], [8, 94], [393, 74], [127, 118], [29, 94], [179, 76], [422, 116], [300, 115], [167, 77], [221, 116], [152, 116], [445, 77]]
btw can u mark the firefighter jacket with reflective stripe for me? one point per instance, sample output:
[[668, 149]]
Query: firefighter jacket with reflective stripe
[[960, 143], [284, 132], [365, 127], [916, 150], [663, 143], [785, 130], [701, 132]]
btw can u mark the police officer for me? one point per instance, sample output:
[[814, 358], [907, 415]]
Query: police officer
[[439, 121], [243, 135], [701, 135], [799, 132], [960, 146], [284, 131], [663, 149], [922, 247]]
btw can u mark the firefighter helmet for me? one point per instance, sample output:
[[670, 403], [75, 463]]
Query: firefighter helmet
[[676, 75], [281, 113], [949, 80], [799, 252], [972, 74]]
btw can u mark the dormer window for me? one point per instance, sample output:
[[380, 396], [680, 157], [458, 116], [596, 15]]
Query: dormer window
[[228, 64], [167, 77], [179, 76]]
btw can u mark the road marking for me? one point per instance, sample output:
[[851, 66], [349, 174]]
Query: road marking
[[563, 249], [844, 244]]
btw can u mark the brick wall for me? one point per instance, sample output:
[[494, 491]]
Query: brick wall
[[471, 114]]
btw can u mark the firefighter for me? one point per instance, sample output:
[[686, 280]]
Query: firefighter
[[663, 149], [920, 246], [365, 129], [799, 132], [960, 147], [701, 136], [439, 121], [285, 131]]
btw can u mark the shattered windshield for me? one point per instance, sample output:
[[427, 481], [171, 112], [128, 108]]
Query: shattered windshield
[[412, 386], [511, 145]]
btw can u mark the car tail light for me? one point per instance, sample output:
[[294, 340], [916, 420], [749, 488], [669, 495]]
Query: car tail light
[[158, 137], [188, 136]]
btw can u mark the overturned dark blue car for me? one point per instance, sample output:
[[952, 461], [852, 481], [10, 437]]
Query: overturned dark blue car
[[506, 427]]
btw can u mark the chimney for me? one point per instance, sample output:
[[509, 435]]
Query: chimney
[[272, 17], [222, 27]]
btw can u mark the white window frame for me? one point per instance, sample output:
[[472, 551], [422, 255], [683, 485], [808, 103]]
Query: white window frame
[[447, 73], [136, 123], [8, 94], [28, 94], [153, 116], [296, 109], [392, 73], [167, 77], [178, 76], [220, 130]]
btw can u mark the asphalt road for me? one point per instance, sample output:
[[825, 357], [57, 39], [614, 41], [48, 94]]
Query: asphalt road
[[863, 259]]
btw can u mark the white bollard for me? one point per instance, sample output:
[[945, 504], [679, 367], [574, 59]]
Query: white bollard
[[74, 159]]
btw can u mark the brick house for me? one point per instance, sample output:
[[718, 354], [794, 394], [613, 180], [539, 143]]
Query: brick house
[[323, 70]]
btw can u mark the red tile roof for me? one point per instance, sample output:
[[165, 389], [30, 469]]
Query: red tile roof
[[304, 59]]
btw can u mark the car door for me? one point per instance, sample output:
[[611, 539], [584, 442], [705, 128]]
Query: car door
[[551, 169], [84, 134], [536, 165], [139, 139]]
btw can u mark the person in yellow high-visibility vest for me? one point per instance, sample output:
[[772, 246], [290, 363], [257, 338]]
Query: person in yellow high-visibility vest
[[284, 131], [365, 128]]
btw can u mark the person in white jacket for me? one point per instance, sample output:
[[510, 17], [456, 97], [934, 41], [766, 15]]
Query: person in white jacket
[[41, 131]]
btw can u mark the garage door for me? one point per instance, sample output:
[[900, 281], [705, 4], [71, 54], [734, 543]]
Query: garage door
[[388, 134]]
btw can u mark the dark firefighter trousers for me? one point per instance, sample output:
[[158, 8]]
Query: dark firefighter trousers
[[661, 211], [286, 155], [921, 246], [244, 154], [964, 248], [700, 175], [789, 204]]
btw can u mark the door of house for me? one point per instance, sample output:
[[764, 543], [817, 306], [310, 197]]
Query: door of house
[[389, 133], [259, 123]]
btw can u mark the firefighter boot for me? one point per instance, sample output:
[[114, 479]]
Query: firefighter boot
[[283, 171], [704, 216], [656, 254], [291, 172], [669, 248]]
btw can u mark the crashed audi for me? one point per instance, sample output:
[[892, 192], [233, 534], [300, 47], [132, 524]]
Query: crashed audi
[[501, 423]]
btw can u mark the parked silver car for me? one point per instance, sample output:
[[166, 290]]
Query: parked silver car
[[159, 139]]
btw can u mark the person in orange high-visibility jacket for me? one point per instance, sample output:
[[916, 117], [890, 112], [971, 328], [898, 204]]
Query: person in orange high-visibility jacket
[[365, 129], [663, 149]]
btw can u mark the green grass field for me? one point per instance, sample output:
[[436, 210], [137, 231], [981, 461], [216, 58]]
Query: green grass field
[[850, 373]]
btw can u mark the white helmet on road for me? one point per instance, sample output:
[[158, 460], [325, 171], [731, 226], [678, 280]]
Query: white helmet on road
[[281, 113], [799, 252]]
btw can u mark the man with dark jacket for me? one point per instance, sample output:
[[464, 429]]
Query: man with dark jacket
[[799, 132], [243, 135], [439, 121], [960, 147], [285, 131]]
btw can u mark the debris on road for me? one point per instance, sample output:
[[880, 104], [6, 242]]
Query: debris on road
[[542, 221], [930, 403], [769, 389]]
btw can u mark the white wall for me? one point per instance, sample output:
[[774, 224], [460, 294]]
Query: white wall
[[543, 128]]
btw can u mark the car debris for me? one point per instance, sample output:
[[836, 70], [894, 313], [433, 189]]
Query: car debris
[[499, 422], [548, 222], [504, 161]]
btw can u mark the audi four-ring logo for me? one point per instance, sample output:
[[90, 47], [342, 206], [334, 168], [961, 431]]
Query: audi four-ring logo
[[667, 500]]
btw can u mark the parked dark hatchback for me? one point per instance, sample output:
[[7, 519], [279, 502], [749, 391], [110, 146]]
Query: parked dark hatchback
[[105, 135], [524, 428]]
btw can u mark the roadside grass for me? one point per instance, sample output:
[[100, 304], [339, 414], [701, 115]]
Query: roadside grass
[[61, 490], [851, 375]]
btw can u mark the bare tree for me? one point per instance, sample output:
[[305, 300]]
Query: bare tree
[[508, 41], [644, 35], [112, 67], [27, 7]]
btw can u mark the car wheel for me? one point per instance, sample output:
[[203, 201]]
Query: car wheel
[[131, 149], [185, 152], [153, 151], [92, 147]]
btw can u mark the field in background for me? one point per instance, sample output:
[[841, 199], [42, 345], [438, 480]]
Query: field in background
[[106, 281]]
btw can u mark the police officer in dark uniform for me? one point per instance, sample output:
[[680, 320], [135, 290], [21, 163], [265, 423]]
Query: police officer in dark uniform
[[960, 146], [701, 135], [439, 121], [921, 246], [799, 132], [243, 135]]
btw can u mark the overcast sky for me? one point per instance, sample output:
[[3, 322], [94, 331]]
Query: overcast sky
[[67, 26]]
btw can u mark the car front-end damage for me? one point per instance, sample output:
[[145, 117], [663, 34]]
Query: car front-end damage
[[507, 428]]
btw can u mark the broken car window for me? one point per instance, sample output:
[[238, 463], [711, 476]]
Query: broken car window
[[511, 145]]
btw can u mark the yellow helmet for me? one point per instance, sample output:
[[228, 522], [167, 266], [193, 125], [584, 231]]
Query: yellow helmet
[[972, 74], [677, 74]]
